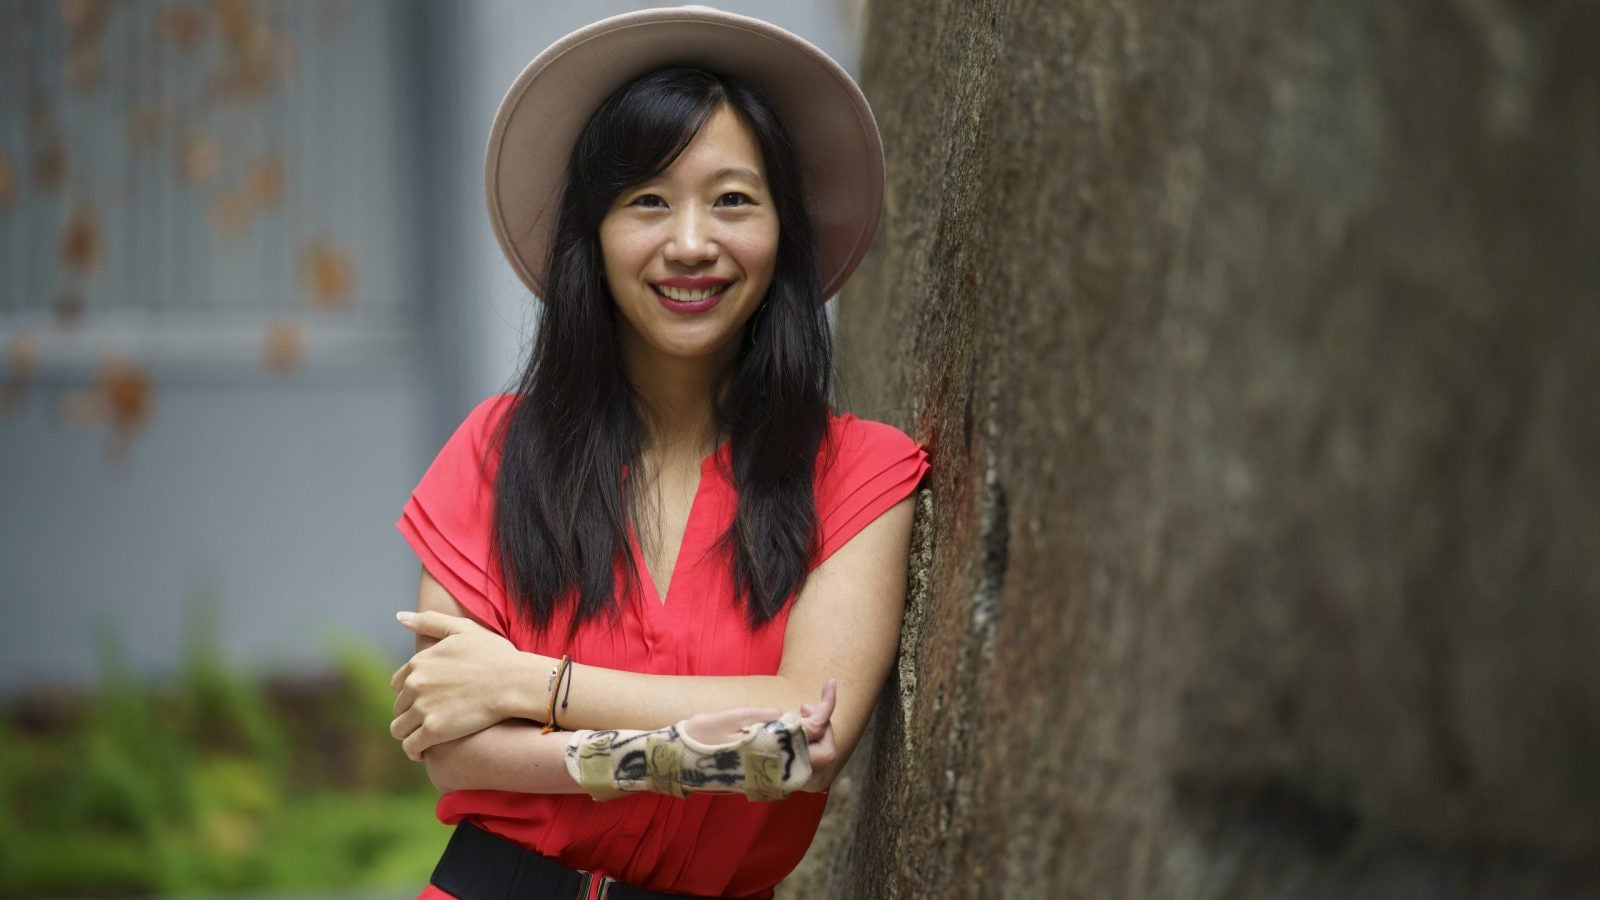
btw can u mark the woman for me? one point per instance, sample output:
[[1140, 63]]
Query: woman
[[664, 539]]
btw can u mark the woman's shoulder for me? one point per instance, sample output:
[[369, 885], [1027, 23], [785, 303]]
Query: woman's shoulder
[[475, 436], [861, 450], [866, 468], [472, 453], [852, 438], [490, 412]]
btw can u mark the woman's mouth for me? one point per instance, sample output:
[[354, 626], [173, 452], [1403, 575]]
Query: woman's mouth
[[690, 295]]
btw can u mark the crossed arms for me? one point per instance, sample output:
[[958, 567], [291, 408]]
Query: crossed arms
[[465, 702]]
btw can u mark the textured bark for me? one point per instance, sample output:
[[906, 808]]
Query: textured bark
[[1254, 344]]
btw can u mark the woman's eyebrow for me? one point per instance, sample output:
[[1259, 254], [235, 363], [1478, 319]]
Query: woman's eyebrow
[[743, 172]]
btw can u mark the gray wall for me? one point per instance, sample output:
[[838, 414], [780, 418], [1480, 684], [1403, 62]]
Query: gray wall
[[267, 504], [273, 496]]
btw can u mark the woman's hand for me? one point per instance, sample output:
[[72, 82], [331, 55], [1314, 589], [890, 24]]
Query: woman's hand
[[816, 720], [456, 687]]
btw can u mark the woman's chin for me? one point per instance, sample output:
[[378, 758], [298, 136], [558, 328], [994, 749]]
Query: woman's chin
[[697, 351], [697, 343]]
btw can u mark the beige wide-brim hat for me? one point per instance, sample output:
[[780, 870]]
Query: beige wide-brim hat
[[821, 108]]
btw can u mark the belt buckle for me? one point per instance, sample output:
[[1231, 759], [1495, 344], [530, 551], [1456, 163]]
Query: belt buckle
[[594, 886]]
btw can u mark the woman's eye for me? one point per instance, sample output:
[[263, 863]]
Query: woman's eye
[[648, 201], [733, 198]]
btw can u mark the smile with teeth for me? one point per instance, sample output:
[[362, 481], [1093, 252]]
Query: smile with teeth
[[684, 295]]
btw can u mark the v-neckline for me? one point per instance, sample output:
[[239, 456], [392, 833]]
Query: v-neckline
[[658, 597]]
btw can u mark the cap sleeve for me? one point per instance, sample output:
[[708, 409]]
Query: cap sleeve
[[868, 468], [449, 520]]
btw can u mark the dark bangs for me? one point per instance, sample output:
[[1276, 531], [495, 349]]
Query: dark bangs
[[635, 135]]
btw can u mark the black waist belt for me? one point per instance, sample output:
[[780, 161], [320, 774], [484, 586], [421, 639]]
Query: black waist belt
[[477, 865]]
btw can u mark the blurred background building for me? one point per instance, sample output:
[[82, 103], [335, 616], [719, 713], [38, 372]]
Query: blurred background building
[[247, 289]]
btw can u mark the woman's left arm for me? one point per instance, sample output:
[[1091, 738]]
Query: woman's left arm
[[845, 625]]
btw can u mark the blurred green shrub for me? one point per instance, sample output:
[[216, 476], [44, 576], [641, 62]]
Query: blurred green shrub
[[212, 782]]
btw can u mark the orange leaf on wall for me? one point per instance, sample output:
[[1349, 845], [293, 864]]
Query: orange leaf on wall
[[199, 156], [82, 246], [8, 180], [22, 358], [328, 274], [283, 347]]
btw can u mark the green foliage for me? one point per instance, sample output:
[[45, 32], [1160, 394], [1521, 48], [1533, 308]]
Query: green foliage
[[211, 782]]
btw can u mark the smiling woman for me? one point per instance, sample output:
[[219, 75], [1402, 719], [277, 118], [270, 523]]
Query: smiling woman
[[665, 538], [689, 254]]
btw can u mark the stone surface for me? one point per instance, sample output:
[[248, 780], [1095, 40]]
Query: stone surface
[[1255, 347]]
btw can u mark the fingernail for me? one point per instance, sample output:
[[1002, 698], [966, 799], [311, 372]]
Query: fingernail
[[405, 616]]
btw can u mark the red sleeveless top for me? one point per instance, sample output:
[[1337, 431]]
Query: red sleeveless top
[[710, 845]]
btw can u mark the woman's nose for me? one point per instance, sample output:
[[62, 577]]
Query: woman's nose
[[691, 240]]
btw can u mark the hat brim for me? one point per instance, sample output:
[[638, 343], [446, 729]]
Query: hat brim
[[823, 111]]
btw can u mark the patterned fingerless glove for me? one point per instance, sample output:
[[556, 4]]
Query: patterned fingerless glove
[[769, 761]]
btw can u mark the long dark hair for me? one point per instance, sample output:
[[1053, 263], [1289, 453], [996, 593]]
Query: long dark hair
[[562, 510]]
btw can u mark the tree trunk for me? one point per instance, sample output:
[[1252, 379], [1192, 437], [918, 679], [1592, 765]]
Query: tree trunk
[[1252, 343]]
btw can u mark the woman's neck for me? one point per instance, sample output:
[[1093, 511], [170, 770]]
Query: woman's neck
[[678, 408]]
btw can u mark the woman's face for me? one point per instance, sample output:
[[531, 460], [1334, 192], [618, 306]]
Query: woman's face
[[689, 254]]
